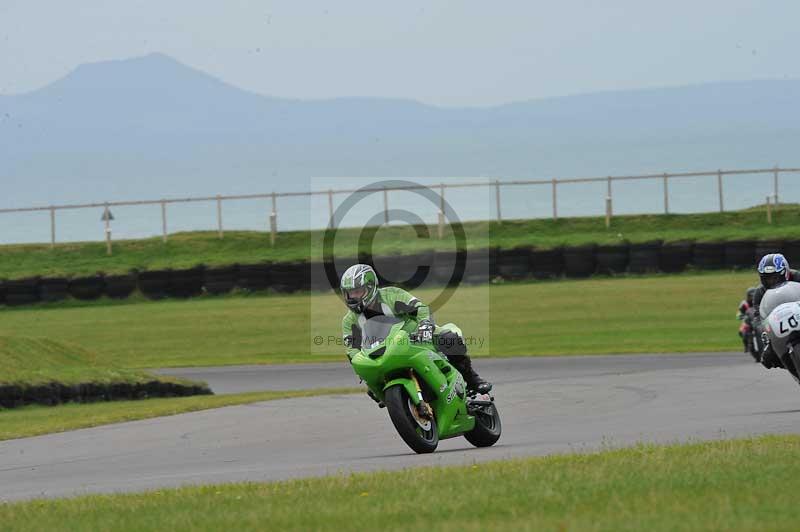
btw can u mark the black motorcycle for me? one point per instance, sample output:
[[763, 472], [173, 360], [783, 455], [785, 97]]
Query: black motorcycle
[[750, 331]]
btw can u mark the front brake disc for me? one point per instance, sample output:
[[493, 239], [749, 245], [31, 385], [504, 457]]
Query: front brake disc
[[424, 421]]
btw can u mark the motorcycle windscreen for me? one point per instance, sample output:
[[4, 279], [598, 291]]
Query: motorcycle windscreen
[[783, 324], [376, 330], [778, 310], [788, 292]]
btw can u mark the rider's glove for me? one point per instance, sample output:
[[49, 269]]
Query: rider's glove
[[425, 331]]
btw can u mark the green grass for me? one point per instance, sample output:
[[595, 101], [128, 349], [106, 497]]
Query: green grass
[[36, 420], [189, 249], [662, 313], [749, 484], [32, 361]]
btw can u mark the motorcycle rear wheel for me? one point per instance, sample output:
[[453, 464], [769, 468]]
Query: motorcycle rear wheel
[[421, 438]]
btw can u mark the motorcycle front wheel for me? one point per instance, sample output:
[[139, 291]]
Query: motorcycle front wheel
[[487, 427], [420, 434]]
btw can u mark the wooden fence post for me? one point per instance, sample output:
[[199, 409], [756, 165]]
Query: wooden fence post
[[273, 221], [385, 206], [52, 227], [775, 185], [219, 217], [555, 200], [330, 207], [497, 199], [164, 221], [107, 223], [441, 211], [769, 210]]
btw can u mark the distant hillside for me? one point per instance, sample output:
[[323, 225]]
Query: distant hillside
[[151, 126]]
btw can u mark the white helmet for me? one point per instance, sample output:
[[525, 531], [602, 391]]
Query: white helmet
[[359, 286]]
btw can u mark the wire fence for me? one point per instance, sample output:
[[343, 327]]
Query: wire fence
[[493, 187]]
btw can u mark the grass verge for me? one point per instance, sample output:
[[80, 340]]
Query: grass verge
[[663, 313], [184, 250], [46, 371], [33, 361], [746, 484], [36, 420]]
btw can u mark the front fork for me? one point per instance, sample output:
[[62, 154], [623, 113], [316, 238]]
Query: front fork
[[423, 408]]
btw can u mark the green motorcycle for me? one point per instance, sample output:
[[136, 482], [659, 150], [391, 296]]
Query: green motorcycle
[[425, 395]]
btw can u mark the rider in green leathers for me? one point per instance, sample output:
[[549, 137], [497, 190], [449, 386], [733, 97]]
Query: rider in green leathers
[[359, 287]]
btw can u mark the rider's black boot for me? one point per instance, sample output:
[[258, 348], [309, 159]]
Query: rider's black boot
[[474, 381], [453, 347]]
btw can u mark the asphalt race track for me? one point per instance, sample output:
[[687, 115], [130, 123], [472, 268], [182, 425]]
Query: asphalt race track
[[548, 405]]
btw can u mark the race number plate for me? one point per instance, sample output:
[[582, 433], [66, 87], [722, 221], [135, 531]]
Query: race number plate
[[785, 319]]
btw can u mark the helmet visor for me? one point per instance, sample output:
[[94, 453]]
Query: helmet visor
[[771, 280], [356, 294]]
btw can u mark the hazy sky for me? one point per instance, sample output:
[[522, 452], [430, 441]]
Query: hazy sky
[[440, 52]]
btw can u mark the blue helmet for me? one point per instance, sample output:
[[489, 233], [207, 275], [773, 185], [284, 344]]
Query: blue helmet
[[773, 270]]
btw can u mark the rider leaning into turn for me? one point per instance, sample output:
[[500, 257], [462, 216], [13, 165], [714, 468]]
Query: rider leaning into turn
[[365, 300], [773, 269]]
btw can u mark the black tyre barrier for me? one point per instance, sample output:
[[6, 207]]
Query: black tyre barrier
[[791, 249], [121, 286], [53, 289], [304, 277], [87, 288], [319, 278], [579, 261], [613, 258], [763, 247], [674, 257], [186, 283], [709, 255], [365, 257], [254, 277], [387, 272], [547, 263], [480, 266], [419, 272], [154, 284], [514, 263], [401, 270], [342, 264], [493, 262], [644, 257], [22, 292], [290, 277], [740, 254], [2, 292], [220, 280], [54, 393], [444, 264]]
